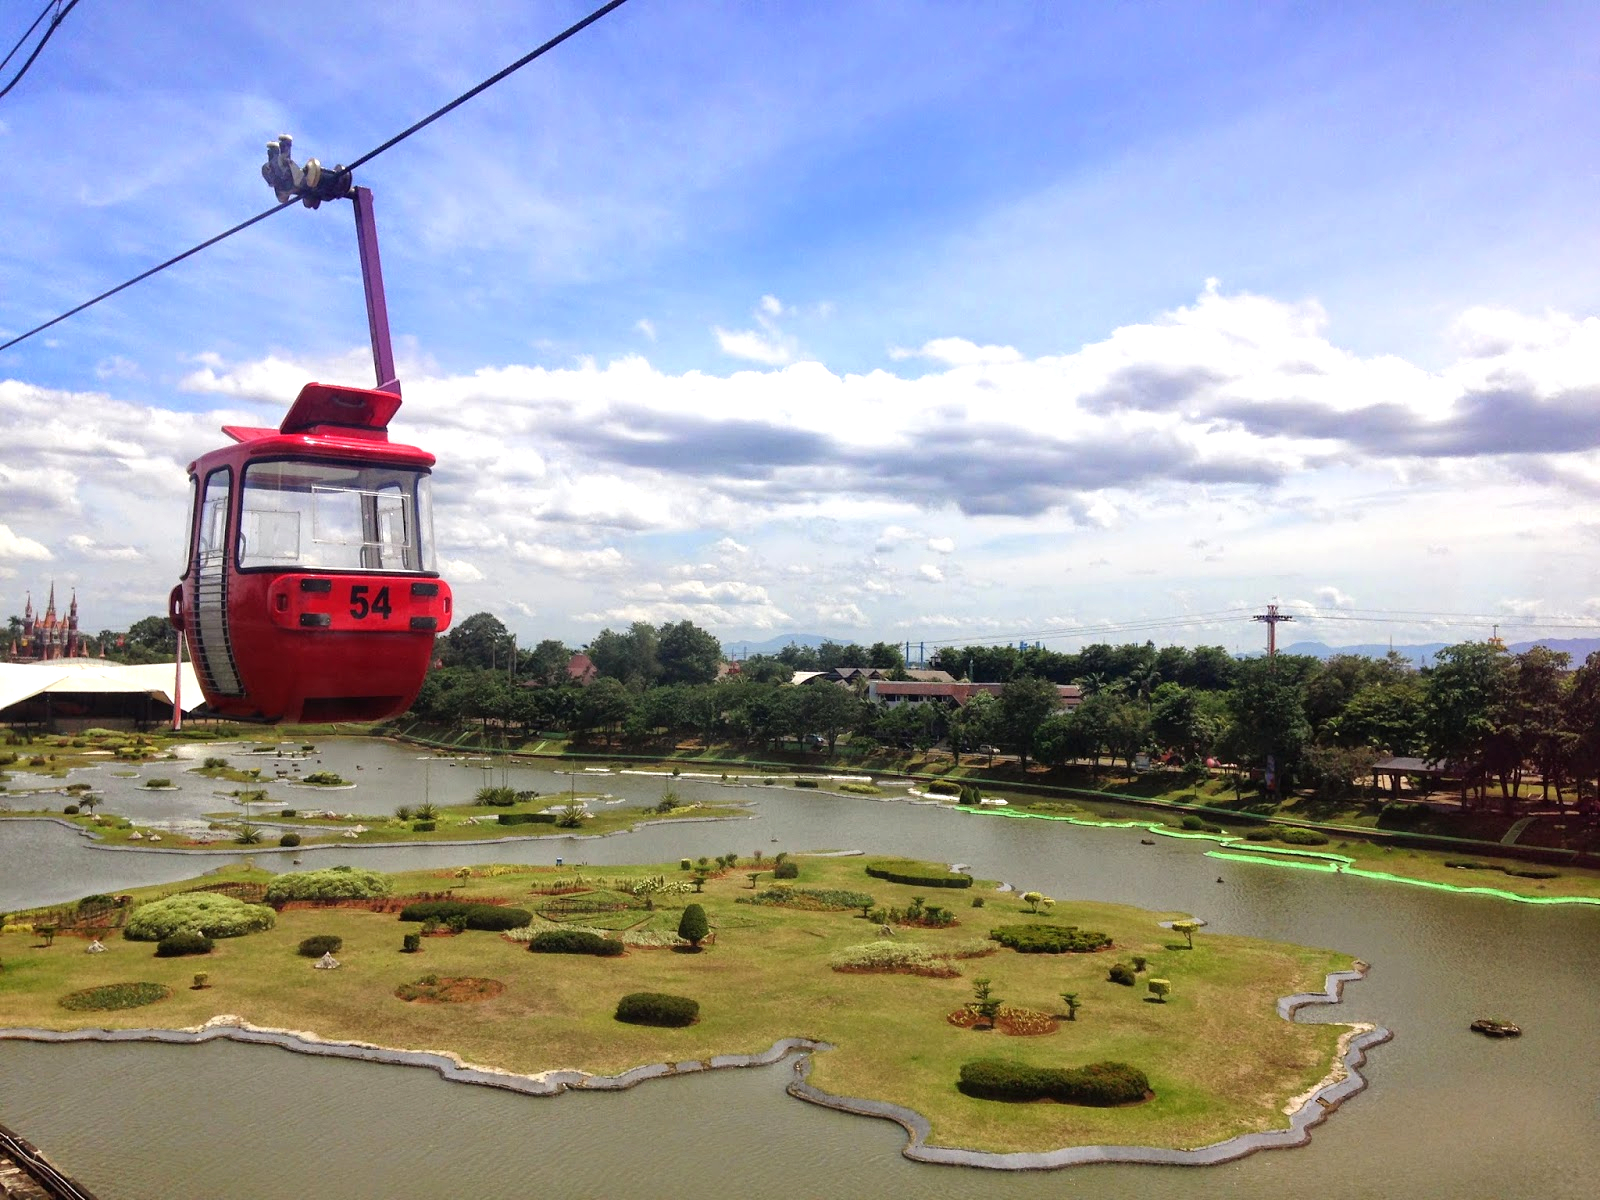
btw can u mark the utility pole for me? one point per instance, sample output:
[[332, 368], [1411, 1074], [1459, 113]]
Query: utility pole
[[1272, 616]]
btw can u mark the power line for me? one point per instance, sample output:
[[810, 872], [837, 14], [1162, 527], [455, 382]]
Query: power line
[[55, 23], [570, 31]]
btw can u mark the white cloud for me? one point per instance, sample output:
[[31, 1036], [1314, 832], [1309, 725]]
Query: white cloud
[[942, 545], [459, 570], [765, 347], [90, 548], [1332, 597], [13, 545], [958, 352], [579, 563], [647, 327], [931, 573]]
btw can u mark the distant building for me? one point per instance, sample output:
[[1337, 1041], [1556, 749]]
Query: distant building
[[956, 695], [850, 675], [581, 670], [48, 638]]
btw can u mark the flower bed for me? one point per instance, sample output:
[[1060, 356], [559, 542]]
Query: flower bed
[[111, 996], [1018, 1022]]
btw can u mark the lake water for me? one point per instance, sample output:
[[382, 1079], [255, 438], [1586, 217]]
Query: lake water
[[1448, 1114]]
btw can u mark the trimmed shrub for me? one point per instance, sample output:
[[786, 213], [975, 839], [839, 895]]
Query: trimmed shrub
[[1532, 872], [526, 818], [970, 794], [657, 1008], [1193, 823], [1101, 1084], [786, 870], [495, 918], [71, 810], [894, 957], [289, 839], [185, 941], [288, 812], [1050, 939], [319, 944], [332, 883], [1292, 836], [693, 926], [424, 826], [1259, 835], [943, 787], [574, 941], [411, 943], [326, 779], [1122, 973], [799, 783], [917, 874], [210, 913], [811, 899]]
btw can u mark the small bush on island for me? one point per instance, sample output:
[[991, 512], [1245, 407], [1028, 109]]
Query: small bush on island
[[943, 787], [526, 818], [1099, 1085], [184, 942], [319, 944], [70, 810], [331, 883], [424, 826], [693, 926], [210, 913], [574, 941], [496, 918], [1050, 939], [805, 783], [917, 874], [1122, 973], [496, 797], [289, 839], [1291, 836], [111, 996], [658, 1008], [325, 779], [786, 870]]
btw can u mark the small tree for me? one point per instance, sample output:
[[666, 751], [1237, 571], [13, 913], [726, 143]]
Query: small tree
[[984, 1002], [752, 876], [1031, 899], [1070, 999], [700, 878], [48, 933], [693, 926], [1139, 962], [1160, 989], [1186, 928], [201, 980]]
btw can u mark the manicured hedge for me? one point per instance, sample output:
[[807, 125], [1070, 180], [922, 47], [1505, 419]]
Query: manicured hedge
[[944, 787], [786, 870], [332, 883], [574, 941], [111, 996], [1050, 939], [209, 913], [494, 917], [526, 818], [1101, 1084], [917, 874], [289, 839], [319, 944], [185, 941], [657, 1008], [1291, 835], [805, 783]]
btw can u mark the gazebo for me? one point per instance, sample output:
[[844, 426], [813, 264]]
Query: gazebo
[[1432, 769]]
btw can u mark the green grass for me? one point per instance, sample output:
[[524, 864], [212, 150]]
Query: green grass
[[1221, 1061]]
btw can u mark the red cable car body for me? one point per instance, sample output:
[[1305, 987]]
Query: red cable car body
[[310, 592]]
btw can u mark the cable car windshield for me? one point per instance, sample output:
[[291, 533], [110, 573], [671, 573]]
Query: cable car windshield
[[300, 515]]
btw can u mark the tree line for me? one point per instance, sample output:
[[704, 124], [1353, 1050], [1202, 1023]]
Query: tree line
[[1494, 719]]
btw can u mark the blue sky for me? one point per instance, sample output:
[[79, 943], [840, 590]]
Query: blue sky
[[881, 320]]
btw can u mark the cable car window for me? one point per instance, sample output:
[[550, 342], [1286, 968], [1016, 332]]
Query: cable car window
[[336, 517], [213, 532], [188, 525]]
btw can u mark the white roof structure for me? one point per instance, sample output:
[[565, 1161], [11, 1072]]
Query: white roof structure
[[77, 676]]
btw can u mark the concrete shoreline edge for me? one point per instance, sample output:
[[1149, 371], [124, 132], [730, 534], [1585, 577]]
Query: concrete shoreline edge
[[1344, 1081]]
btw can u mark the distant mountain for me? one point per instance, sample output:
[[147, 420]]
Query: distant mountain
[[744, 649], [1423, 655]]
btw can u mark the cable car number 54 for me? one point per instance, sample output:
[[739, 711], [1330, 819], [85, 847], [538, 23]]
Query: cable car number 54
[[361, 607]]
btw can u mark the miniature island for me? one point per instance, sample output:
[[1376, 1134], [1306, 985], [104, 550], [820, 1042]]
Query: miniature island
[[1012, 1023]]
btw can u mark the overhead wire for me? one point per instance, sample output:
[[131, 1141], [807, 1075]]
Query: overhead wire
[[55, 24], [570, 31]]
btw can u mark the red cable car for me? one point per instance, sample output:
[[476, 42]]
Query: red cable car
[[309, 591]]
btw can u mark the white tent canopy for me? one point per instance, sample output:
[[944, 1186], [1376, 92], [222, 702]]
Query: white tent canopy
[[23, 681]]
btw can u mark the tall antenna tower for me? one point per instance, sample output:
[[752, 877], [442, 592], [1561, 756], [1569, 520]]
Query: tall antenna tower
[[1272, 616]]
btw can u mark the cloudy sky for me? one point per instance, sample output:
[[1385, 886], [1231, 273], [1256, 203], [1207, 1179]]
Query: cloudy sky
[[887, 320]]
